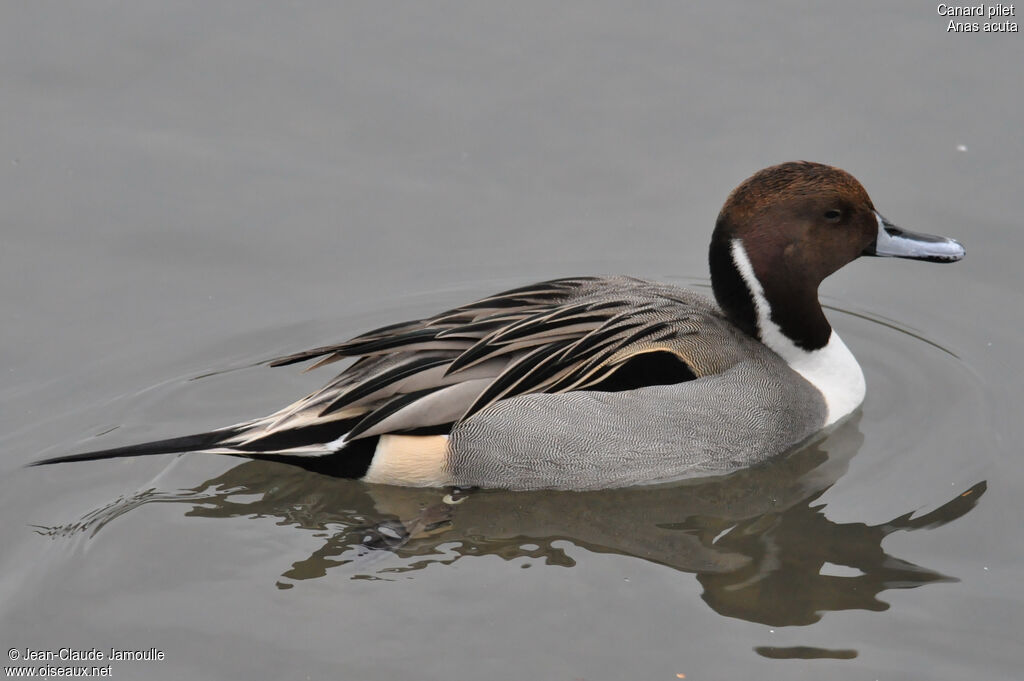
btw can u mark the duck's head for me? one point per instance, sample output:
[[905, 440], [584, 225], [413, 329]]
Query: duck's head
[[785, 229]]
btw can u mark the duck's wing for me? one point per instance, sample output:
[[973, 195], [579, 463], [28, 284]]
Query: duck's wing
[[422, 376], [556, 336]]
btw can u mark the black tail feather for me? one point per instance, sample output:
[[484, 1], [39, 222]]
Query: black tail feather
[[188, 443], [351, 462]]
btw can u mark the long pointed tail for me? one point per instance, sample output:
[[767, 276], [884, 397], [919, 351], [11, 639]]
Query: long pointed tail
[[310, 448], [174, 445]]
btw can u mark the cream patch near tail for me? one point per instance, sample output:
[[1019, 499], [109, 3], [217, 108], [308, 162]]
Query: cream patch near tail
[[411, 460]]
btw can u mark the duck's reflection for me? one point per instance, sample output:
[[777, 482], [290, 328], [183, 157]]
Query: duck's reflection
[[763, 550]]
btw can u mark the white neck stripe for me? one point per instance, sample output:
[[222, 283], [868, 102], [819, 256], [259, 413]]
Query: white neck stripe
[[833, 369]]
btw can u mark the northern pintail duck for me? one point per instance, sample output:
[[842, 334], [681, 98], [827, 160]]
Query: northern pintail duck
[[594, 382]]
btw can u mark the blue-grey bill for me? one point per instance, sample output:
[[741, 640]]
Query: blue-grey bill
[[895, 242]]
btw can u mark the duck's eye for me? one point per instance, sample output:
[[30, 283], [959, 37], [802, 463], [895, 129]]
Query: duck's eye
[[833, 215]]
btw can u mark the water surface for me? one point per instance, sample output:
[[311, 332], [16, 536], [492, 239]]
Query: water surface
[[188, 191]]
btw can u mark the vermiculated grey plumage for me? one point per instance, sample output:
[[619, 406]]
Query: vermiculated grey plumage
[[590, 440], [593, 439]]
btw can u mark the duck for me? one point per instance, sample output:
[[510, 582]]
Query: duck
[[598, 382]]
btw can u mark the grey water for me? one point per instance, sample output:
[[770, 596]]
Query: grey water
[[188, 190]]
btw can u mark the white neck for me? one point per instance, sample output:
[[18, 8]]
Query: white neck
[[833, 369]]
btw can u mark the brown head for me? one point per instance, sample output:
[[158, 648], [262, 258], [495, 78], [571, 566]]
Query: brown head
[[797, 223]]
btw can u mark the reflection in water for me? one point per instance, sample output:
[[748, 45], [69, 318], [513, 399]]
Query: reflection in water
[[761, 547]]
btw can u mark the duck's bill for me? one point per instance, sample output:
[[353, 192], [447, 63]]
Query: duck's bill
[[894, 242]]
